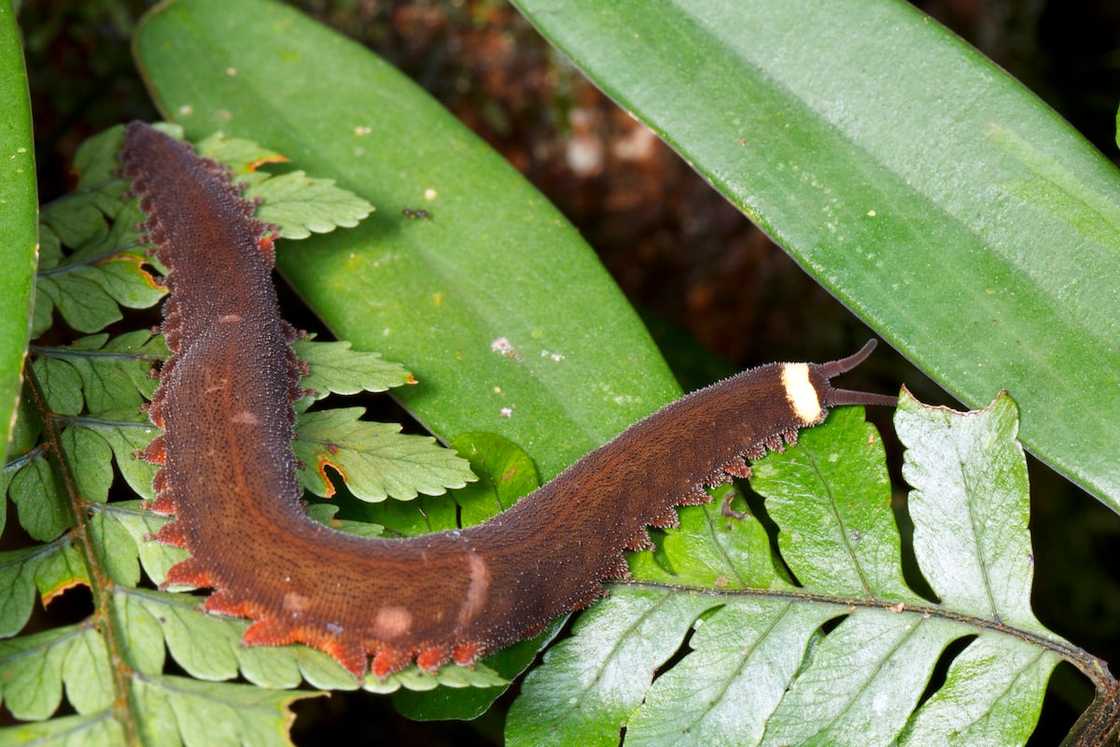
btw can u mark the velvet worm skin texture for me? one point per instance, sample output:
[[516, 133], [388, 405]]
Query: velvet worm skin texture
[[229, 475]]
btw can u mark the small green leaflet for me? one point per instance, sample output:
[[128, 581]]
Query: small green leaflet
[[376, 459], [109, 374], [300, 205], [758, 670], [105, 268], [335, 367]]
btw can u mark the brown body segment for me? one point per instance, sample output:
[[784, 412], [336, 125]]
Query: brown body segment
[[229, 474]]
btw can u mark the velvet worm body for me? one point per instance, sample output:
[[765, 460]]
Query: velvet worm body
[[229, 478]]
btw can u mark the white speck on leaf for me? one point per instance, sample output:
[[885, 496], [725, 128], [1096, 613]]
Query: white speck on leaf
[[502, 346]]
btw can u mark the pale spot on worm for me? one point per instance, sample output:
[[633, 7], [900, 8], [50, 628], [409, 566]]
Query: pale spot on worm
[[296, 602], [229, 318], [476, 590], [391, 622], [245, 418], [217, 387], [800, 393]]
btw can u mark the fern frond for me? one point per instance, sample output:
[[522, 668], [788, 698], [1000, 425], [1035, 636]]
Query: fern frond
[[842, 651]]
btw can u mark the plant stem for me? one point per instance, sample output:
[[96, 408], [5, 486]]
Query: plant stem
[[1091, 666], [101, 585]]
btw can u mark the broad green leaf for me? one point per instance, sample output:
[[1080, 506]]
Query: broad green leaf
[[933, 194], [759, 668], [497, 306], [18, 218], [376, 460]]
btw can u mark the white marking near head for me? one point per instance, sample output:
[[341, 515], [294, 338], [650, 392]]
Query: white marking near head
[[476, 590], [391, 622], [800, 393], [245, 418], [229, 318]]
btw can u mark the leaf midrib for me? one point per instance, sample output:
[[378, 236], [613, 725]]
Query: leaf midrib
[[1091, 666]]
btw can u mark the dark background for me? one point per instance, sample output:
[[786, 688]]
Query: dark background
[[718, 295]]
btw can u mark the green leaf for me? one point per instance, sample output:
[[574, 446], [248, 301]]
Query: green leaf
[[95, 161], [242, 156], [300, 205], [40, 503], [92, 730], [324, 513], [127, 433], [335, 367], [758, 667], [213, 713], [930, 192], [34, 667], [108, 374], [155, 557], [18, 218], [51, 567], [496, 262], [209, 647], [107, 268], [505, 471], [376, 460]]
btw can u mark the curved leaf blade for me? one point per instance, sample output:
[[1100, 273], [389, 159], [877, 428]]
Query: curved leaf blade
[[934, 195], [19, 217]]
